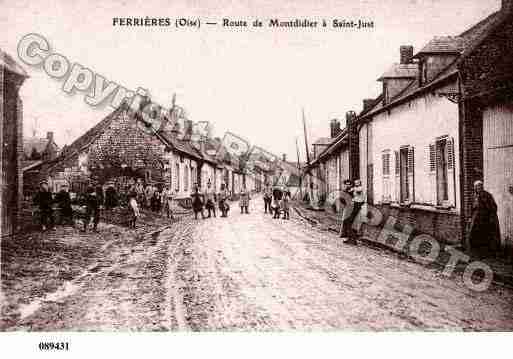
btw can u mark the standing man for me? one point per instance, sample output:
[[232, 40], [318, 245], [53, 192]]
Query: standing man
[[357, 204], [484, 232], [198, 201], [277, 197], [139, 190], [167, 200], [148, 195], [63, 200], [111, 197], [43, 199], [223, 201], [210, 197], [244, 200], [268, 195]]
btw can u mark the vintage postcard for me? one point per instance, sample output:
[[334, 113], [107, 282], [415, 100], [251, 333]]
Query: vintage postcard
[[271, 166]]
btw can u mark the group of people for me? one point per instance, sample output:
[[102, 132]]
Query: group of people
[[46, 202], [209, 200], [277, 201], [158, 199]]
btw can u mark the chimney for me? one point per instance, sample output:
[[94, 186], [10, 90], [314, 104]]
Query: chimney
[[350, 115], [334, 128], [284, 157], [507, 6], [367, 103], [406, 54], [49, 136]]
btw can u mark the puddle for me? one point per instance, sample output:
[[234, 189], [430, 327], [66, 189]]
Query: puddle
[[66, 290]]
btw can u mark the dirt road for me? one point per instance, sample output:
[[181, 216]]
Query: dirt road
[[249, 272]]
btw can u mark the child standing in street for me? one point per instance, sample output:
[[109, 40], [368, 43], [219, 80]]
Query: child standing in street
[[134, 209], [286, 203]]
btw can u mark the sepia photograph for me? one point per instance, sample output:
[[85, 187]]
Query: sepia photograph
[[293, 167]]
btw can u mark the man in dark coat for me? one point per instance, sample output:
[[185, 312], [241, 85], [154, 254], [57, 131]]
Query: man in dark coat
[[43, 199], [484, 232], [111, 197], [198, 201], [92, 203], [277, 196], [63, 200], [268, 197]]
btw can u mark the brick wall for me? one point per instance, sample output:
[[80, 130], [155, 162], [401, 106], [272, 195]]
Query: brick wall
[[443, 226], [471, 150], [11, 142], [354, 146]]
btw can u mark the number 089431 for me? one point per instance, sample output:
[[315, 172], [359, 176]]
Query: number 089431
[[50, 346]]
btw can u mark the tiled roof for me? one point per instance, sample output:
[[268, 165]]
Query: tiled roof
[[467, 39], [11, 65], [401, 71], [444, 45], [90, 135], [323, 141]]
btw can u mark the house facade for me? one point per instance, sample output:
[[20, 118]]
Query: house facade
[[486, 108], [424, 141]]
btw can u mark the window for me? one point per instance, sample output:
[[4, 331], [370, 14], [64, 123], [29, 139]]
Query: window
[[423, 73], [385, 93], [441, 167], [385, 158], [186, 178], [406, 174], [386, 163], [177, 182]]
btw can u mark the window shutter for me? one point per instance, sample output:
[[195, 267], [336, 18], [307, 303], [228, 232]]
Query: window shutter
[[432, 157], [397, 163], [387, 164], [384, 160], [411, 162], [450, 153]]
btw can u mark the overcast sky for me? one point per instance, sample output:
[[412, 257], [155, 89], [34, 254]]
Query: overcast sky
[[250, 81]]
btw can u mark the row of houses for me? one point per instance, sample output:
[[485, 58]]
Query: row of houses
[[118, 149], [443, 120]]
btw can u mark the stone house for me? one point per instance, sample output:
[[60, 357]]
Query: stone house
[[119, 149]]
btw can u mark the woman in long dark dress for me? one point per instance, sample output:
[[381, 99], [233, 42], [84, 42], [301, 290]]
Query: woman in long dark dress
[[197, 202], [484, 231]]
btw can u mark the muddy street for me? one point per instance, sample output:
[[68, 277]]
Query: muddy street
[[245, 272]]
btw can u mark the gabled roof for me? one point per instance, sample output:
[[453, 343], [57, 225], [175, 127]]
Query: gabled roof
[[468, 39], [7, 62], [336, 142], [400, 71], [92, 134]]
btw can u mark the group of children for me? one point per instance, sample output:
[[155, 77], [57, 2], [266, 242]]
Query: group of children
[[151, 197], [277, 201]]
